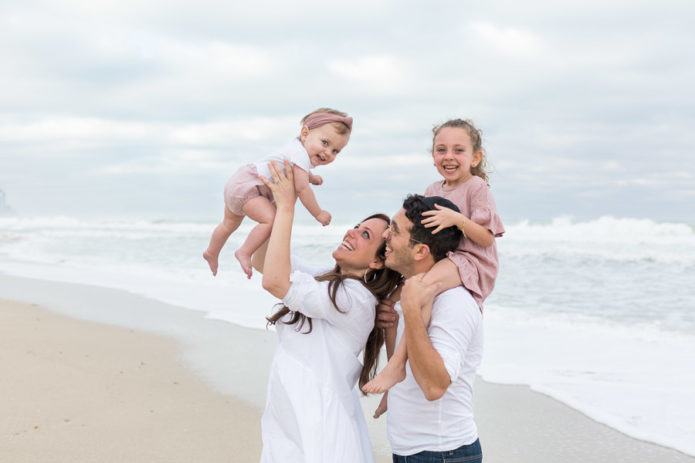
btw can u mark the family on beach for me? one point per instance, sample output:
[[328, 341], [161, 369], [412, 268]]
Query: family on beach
[[415, 282]]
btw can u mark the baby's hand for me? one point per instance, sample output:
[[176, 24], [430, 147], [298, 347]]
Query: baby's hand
[[324, 217], [442, 218], [315, 179]]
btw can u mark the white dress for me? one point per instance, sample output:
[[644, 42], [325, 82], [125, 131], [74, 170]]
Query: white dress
[[312, 409]]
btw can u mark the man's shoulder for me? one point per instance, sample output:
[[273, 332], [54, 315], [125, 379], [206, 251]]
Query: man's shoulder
[[458, 299], [458, 293]]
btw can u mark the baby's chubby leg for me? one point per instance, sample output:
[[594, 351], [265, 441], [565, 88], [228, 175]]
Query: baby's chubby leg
[[262, 211], [220, 235]]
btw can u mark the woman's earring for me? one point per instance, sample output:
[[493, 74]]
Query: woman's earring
[[364, 277]]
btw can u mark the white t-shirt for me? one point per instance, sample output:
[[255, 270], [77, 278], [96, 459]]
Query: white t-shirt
[[294, 151], [416, 424], [313, 413]]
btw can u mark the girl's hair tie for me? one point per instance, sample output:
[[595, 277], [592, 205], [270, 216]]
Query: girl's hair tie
[[319, 119]]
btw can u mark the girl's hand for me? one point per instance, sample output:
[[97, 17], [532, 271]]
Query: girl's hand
[[442, 218], [282, 185], [315, 179], [324, 217]]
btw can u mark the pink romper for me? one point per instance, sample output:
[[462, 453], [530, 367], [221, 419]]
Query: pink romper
[[477, 264], [244, 185]]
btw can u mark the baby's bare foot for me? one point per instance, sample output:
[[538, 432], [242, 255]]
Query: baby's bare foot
[[212, 262], [245, 261]]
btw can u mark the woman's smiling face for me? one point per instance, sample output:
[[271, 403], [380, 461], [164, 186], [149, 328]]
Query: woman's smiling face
[[358, 251]]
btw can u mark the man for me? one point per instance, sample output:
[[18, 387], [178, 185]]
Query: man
[[430, 412]]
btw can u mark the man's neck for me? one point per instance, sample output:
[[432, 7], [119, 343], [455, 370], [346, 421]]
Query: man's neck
[[418, 267]]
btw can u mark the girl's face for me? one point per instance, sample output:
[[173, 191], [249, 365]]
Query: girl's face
[[358, 251], [453, 155], [323, 143]]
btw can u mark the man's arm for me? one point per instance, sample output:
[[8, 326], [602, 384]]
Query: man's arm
[[425, 362]]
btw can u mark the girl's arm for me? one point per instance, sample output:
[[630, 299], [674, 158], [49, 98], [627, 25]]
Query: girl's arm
[[276, 275], [444, 217], [307, 197], [315, 179]]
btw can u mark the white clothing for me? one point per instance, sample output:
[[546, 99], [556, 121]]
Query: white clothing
[[415, 424], [312, 409], [294, 151]]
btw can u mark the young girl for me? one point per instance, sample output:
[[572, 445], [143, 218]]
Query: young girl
[[324, 133], [460, 159]]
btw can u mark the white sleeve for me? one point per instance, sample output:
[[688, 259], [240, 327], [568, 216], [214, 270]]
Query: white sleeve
[[311, 298], [454, 322], [300, 157], [296, 263]]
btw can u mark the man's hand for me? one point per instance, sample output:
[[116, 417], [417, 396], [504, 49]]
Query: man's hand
[[416, 294]]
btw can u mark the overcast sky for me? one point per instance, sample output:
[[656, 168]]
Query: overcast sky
[[144, 109]]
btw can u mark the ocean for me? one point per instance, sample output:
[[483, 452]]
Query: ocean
[[598, 314]]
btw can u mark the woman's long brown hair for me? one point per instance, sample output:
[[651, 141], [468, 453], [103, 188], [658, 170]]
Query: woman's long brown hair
[[380, 283]]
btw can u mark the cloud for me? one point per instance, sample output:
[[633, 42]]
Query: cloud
[[374, 73], [592, 97], [507, 40]]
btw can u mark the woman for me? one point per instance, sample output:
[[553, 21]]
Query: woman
[[312, 409]]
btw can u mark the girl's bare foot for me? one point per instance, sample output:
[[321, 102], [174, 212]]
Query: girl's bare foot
[[245, 261], [391, 375], [212, 262], [383, 405]]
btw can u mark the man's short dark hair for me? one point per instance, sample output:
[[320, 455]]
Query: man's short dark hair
[[444, 240]]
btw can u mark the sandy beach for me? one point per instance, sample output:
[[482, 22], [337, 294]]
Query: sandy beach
[[95, 374]]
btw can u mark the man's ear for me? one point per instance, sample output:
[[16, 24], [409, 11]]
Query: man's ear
[[421, 251]]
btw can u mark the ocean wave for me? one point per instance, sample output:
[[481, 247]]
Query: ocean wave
[[603, 229]]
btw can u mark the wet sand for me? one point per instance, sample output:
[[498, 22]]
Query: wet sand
[[95, 374]]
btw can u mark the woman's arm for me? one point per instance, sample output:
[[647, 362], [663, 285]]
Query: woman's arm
[[276, 275]]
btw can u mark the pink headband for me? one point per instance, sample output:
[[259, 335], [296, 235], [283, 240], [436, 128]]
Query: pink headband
[[319, 119]]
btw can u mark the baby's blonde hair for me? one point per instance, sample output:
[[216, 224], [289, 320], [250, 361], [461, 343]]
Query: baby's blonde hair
[[476, 138], [341, 128]]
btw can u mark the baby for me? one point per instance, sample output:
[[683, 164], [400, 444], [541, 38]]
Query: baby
[[324, 133]]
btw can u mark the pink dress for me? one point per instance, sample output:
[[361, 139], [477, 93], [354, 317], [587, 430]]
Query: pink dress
[[477, 264]]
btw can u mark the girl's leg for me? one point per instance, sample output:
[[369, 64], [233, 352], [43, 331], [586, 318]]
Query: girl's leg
[[219, 237], [383, 405], [262, 211], [445, 272], [394, 371]]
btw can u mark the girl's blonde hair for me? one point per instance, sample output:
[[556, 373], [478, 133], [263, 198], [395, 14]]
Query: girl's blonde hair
[[341, 128], [476, 139]]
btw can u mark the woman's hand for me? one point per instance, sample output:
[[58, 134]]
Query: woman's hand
[[386, 315], [442, 218], [282, 185]]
